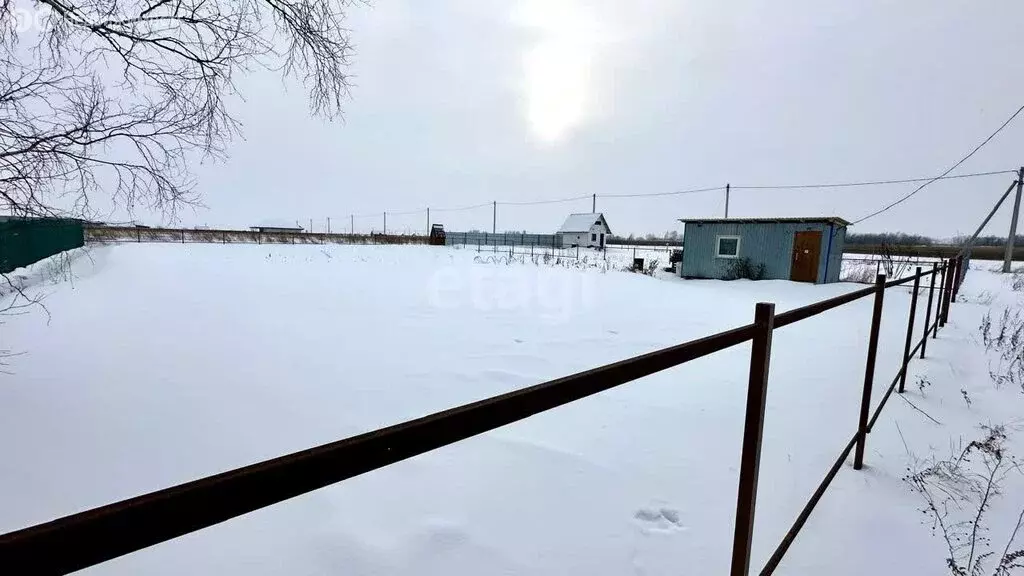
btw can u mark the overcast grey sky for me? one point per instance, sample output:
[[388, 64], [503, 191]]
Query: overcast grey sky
[[461, 102]]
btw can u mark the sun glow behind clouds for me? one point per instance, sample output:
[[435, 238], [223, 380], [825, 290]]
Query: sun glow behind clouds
[[557, 67]]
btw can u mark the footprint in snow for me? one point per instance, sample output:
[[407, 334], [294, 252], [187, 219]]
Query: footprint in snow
[[659, 520], [517, 340]]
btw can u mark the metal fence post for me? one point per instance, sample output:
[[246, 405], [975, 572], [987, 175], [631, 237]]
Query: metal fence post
[[750, 460], [958, 277], [910, 332], [948, 295], [942, 298], [869, 373], [928, 310]]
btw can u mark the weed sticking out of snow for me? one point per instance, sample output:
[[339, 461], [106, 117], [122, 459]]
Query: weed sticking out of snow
[[858, 273], [745, 268], [1016, 281], [922, 384], [983, 298], [1005, 336], [958, 492], [582, 263]]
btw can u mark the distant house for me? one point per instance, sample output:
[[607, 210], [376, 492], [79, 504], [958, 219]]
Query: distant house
[[272, 226], [799, 249], [584, 230]]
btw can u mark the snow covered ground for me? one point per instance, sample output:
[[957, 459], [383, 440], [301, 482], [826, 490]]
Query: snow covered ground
[[164, 363]]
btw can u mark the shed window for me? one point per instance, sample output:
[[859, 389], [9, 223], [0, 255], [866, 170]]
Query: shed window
[[727, 247], [593, 237]]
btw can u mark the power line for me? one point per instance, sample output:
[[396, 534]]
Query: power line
[[693, 191], [536, 202], [927, 181], [462, 208], [872, 182], [950, 169]]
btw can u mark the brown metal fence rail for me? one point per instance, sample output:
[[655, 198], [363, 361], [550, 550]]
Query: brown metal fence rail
[[94, 536]]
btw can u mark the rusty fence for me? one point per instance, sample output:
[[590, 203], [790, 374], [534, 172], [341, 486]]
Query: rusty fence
[[94, 536]]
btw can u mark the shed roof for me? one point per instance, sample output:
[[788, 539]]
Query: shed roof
[[815, 220], [583, 222]]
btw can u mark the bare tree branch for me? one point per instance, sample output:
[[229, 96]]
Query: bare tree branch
[[117, 97]]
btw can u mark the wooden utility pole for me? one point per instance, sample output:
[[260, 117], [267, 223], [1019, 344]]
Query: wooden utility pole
[[1008, 256], [385, 223], [428, 221], [328, 224], [727, 200], [593, 204], [494, 219], [352, 223]]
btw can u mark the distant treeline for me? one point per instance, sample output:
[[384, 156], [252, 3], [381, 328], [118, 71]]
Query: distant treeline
[[670, 238], [901, 239], [674, 238], [991, 240], [897, 238]]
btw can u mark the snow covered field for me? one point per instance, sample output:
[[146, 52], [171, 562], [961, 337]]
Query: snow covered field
[[164, 363]]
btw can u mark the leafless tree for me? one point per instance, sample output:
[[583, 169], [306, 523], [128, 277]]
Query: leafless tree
[[116, 98]]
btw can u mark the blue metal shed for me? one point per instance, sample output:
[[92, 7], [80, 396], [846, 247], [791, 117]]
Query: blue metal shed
[[800, 249]]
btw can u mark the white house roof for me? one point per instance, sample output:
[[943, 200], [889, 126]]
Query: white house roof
[[583, 222]]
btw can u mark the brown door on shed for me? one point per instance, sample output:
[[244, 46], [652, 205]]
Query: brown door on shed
[[806, 256]]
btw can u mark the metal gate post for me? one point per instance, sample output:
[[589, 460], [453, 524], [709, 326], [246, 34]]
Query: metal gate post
[[910, 332], [750, 461], [869, 373], [928, 311]]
